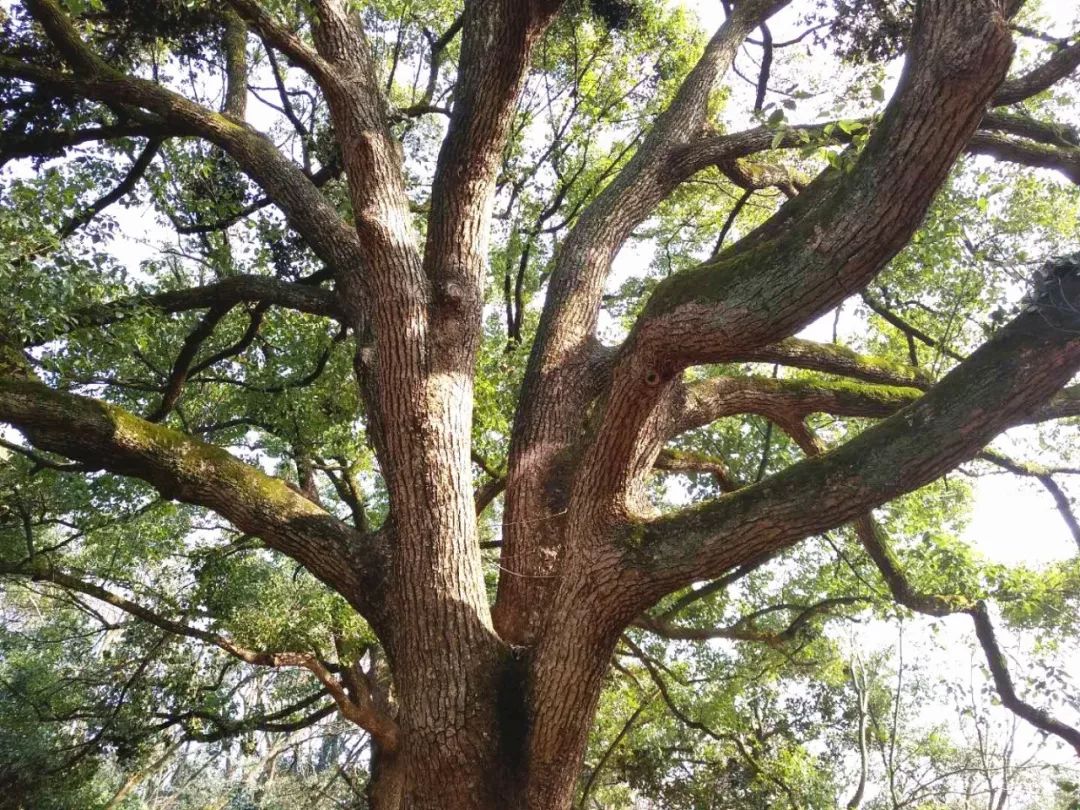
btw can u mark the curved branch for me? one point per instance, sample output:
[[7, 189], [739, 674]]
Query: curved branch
[[104, 437], [438, 46], [908, 329], [682, 461], [1041, 719], [1064, 61], [270, 723], [820, 247], [1023, 125], [192, 343], [703, 401], [364, 714], [123, 188], [744, 629], [830, 240]]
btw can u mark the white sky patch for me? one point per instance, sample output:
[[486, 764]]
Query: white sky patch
[[1013, 521]]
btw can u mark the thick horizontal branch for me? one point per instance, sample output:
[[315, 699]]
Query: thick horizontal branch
[[1066, 159], [831, 358], [789, 401], [225, 293], [1024, 126], [721, 150], [104, 437], [1003, 383], [703, 401]]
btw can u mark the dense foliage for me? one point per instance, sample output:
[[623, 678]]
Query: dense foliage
[[776, 691]]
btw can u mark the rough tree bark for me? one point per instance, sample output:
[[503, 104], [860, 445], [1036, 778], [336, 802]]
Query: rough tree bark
[[491, 704]]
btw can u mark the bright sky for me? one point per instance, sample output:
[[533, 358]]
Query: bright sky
[[1014, 521]]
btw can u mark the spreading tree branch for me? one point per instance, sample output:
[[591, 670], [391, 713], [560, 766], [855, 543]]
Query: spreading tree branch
[[102, 436], [999, 385], [876, 545], [51, 144], [362, 712], [1065, 159]]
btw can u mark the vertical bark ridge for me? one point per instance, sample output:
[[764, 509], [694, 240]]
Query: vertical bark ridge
[[556, 392], [420, 324], [834, 238]]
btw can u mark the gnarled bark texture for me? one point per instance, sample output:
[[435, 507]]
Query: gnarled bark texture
[[489, 705]]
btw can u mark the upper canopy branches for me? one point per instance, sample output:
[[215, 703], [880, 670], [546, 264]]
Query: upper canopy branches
[[416, 152], [839, 233], [1001, 384]]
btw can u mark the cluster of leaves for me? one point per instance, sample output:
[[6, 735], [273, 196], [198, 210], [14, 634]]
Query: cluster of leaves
[[864, 30], [736, 725]]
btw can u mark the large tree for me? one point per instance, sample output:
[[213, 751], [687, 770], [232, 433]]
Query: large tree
[[327, 311]]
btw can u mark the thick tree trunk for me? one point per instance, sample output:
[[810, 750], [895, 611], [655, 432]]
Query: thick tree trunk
[[386, 784], [473, 768], [520, 742]]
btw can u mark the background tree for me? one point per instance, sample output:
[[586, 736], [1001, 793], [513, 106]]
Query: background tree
[[379, 427]]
